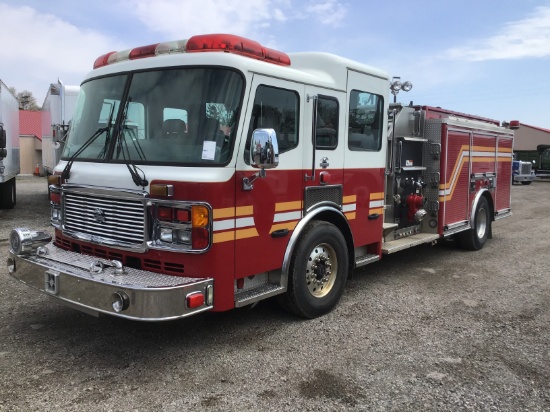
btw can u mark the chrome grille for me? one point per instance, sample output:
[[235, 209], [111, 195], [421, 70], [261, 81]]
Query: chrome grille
[[525, 168], [107, 219]]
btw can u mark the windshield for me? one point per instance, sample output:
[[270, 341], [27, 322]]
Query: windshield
[[184, 116]]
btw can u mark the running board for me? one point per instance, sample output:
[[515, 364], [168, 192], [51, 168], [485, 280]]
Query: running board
[[456, 230], [501, 214], [365, 260], [258, 293], [407, 242]]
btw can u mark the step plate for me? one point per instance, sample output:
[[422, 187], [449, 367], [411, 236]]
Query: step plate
[[365, 260], [410, 241], [258, 293]]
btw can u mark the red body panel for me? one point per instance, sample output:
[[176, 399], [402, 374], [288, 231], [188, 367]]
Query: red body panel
[[366, 187], [472, 160], [504, 173], [455, 172], [279, 193]]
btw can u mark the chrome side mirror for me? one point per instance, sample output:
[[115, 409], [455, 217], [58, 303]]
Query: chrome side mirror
[[264, 154], [264, 149]]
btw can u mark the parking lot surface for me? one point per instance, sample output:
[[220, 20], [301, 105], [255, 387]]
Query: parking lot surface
[[429, 328]]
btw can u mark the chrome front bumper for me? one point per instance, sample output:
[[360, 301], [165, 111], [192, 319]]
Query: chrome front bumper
[[524, 178], [92, 285]]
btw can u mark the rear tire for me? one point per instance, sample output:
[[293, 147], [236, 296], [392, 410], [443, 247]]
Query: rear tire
[[318, 271], [7, 194], [475, 238]]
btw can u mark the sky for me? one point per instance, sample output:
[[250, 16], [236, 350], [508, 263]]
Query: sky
[[490, 58]]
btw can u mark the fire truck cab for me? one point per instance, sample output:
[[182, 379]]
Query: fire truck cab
[[212, 173]]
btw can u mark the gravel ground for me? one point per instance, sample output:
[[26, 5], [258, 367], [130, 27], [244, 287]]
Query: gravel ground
[[430, 328]]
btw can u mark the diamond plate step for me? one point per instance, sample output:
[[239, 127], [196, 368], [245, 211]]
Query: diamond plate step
[[261, 292], [407, 242]]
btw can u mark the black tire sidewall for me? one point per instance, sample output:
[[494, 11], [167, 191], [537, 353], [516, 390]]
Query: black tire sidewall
[[309, 305]]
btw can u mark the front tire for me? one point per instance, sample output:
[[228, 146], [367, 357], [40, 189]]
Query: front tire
[[475, 238], [318, 271], [526, 182]]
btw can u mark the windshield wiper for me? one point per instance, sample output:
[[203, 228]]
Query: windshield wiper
[[134, 138], [67, 170], [122, 147]]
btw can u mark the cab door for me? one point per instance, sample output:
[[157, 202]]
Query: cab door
[[323, 159], [267, 213], [365, 158]]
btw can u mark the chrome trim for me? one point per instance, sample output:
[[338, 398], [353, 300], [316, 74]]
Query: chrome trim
[[108, 191], [455, 230], [74, 224], [151, 241], [324, 203], [65, 276], [99, 240], [501, 214], [474, 206], [25, 242], [264, 149], [485, 175], [365, 260], [455, 225]]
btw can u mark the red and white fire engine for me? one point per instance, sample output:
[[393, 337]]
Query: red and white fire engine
[[213, 172]]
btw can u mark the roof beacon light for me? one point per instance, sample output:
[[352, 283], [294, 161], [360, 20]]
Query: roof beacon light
[[202, 43], [514, 124], [143, 51], [102, 60]]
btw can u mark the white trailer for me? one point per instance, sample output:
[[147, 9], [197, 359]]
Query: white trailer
[[9, 146], [57, 112]]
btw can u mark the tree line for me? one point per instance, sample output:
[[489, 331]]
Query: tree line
[[26, 100]]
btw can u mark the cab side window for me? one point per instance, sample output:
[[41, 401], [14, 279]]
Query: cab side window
[[365, 121], [326, 130], [276, 109]]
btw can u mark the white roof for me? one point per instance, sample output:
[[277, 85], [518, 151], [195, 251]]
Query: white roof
[[304, 68]]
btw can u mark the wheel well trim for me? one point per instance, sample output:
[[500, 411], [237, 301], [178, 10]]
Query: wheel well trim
[[482, 193], [298, 231]]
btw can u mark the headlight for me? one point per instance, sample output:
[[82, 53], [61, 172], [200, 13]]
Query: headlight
[[182, 226], [166, 234], [184, 236]]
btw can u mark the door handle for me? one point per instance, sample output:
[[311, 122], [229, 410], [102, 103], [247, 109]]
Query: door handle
[[279, 233], [374, 216]]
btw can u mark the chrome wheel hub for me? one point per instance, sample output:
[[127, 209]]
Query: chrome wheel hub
[[481, 223], [321, 270]]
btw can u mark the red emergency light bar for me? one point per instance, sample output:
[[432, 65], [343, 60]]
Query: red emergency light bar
[[202, 43], [514, 124]]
